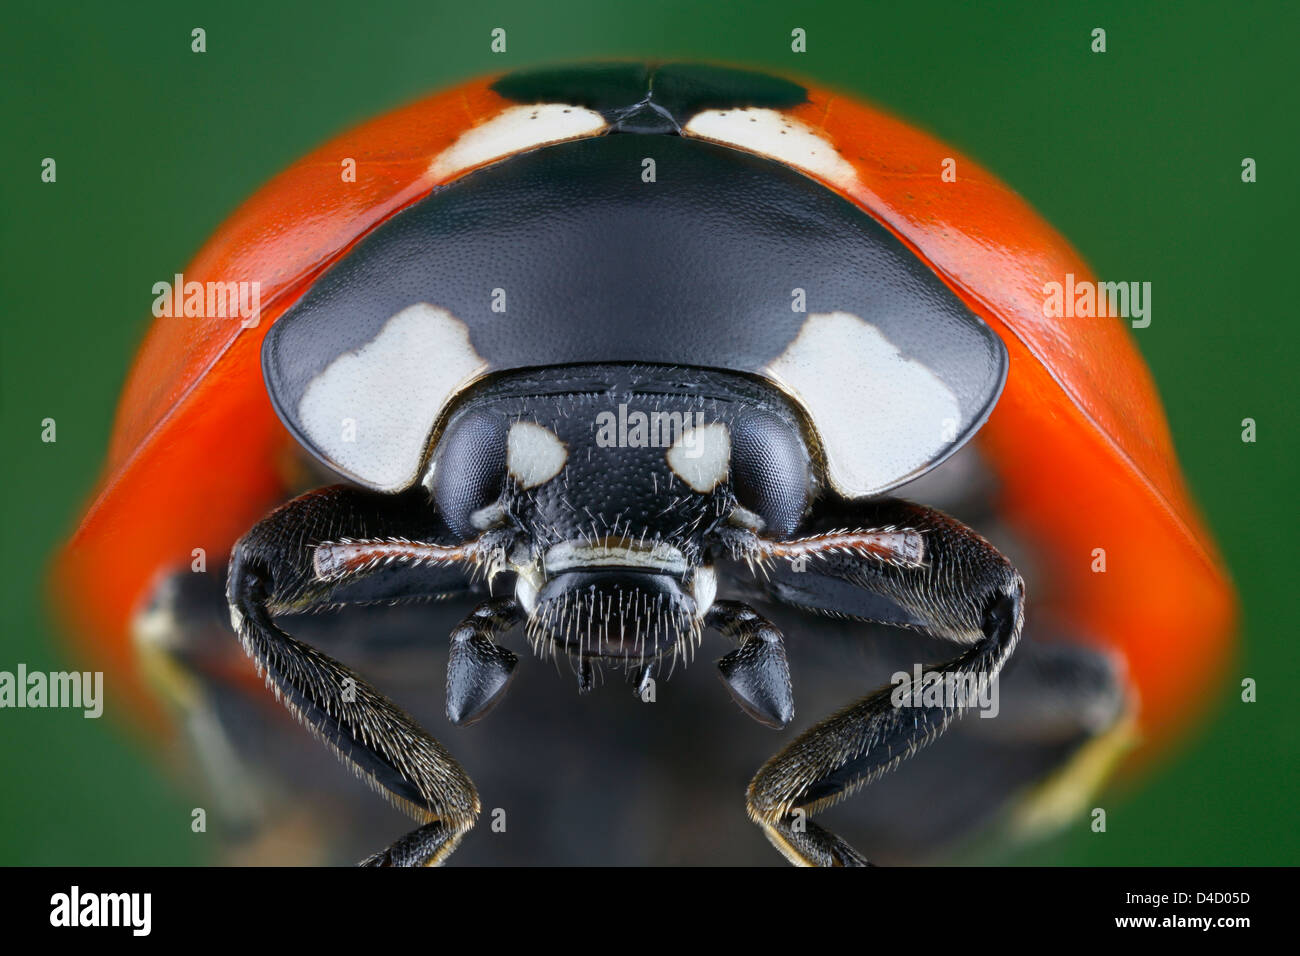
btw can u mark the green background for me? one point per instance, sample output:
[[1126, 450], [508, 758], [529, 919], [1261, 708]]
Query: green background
[[1134, 155]]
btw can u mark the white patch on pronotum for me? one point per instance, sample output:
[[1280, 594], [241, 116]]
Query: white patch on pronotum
[[514, 130], [701, 457], [534, 454], [777, 135], [878, 414], [394, 388]]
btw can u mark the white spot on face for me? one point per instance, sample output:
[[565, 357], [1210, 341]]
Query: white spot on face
[[659, 557], [701, 457], [777, 135], [534, 454], [879, 415], [488, 517], [514, 130], [742, 517], [704, 589], [394, 388], [528, 582]]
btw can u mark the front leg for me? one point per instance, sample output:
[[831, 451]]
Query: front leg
[[892, 561], [298, 559]]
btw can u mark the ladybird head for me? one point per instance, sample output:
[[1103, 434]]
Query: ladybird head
[[613, 497]]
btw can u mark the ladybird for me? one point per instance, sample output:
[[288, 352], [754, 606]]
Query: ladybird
[[616, 357]]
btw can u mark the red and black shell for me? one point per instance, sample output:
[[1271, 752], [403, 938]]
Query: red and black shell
[[536, 185]]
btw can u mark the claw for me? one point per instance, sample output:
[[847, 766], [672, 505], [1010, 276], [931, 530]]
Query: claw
[[478, 672], [757, 675]]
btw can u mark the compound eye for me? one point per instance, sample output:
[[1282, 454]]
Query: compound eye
[[771, 472], [470, 468]]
